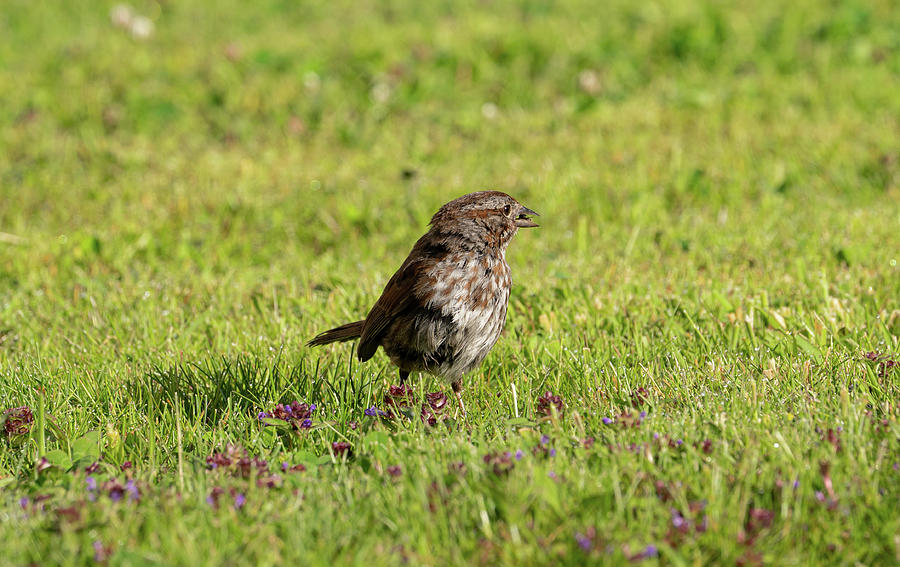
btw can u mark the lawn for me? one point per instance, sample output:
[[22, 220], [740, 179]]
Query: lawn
[[701, 361]]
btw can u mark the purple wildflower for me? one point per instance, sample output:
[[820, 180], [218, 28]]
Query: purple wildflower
[[115, 495], [545, 439], [101, 552], [371, 412], [643, 414], [651, 551], [796, 484], [608, 420], [519, 454], [263, 415], [678, 520], [91, 483], [552, 475], [340, 448], [23, 502], [306, 424], [584, 542], [133, 492], [550, 403], [239, 501], [552, 452], [17, 421]]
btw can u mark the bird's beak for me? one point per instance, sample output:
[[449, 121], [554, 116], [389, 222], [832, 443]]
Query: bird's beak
[[522, 220]]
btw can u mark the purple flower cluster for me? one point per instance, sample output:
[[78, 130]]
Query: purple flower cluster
[[550, 404], [500, 463], [113, 488], [375, 412], [626, 419], [647, 553], [586, 540], [288, 467], [639, 398], [297, 414], [341, 448], [215, 498], [684, 525], [832, 437], [885, 362], [402, 397], [17, 421], [235, 461], [758, 519]]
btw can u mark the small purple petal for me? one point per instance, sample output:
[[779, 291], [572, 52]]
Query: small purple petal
[[91, 483], [239, 501], [306, 424], [584, 542], [552, 452], [679, 442], [651, 551], [544, 439], [552, 475], [132, 489], [643, 414], [796, 484], [285, 466], [519, 455], [23, 502], [607, 420], [371, 412], [210, 500], [99, 554]]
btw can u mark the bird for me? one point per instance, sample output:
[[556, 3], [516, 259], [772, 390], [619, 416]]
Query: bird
[[445, 307]]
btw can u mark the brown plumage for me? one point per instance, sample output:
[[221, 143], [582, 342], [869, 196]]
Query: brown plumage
[[445, 307]]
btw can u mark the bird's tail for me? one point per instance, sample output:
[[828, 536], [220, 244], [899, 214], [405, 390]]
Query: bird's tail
[[343, 333]]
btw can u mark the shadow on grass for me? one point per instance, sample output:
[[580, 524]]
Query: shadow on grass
[[206, 391]]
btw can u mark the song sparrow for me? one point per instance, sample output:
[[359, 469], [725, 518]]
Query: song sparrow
[[445, 307]]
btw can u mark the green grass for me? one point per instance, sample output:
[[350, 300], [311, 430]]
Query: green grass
[[720, 197]]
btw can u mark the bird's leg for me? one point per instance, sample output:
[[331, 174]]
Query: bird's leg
[[457, 389], [404, 374]]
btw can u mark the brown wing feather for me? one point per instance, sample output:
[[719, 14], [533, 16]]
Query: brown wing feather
[[396, 298]]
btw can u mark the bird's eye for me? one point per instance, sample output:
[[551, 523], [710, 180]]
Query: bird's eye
[[506, 210]]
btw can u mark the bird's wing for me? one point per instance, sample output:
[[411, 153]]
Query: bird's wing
[[396, 298]]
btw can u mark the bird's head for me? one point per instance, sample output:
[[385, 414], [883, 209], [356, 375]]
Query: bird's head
[[490, 216]]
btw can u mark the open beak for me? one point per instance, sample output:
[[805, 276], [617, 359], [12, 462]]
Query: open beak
[[522, 220]]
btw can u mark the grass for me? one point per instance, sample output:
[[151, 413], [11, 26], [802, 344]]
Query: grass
[[720, 196]]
